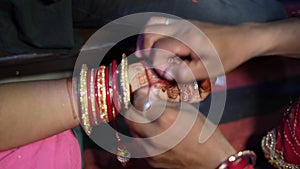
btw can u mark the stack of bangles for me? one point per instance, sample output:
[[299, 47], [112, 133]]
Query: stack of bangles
[[102, 97]]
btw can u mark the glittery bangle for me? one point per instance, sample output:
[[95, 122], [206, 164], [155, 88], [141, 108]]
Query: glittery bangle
[[274, 156], [102, 94], [89, 103], [124, 82], [83, 100], [127, 83]]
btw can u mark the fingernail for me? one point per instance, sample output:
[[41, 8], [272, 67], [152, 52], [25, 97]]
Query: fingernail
[[147, 105]]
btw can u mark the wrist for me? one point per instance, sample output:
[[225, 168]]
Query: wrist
[[252, 41], [238, 42], [222, 152]]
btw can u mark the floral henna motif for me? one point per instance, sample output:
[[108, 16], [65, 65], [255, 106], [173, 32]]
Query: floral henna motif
[[190, 92]]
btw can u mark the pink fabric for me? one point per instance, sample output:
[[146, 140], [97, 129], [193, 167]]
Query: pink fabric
[[60, 151]]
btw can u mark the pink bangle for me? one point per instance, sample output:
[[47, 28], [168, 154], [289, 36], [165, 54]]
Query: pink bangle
[[115, 87], [89, 99], [240, 160]]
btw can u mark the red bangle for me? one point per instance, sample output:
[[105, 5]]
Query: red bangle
[[109, 111], [240, 160], [97, 106]]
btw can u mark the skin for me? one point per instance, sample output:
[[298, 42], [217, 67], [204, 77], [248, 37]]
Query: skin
[[235, 44], [205, 155], [35, 110]]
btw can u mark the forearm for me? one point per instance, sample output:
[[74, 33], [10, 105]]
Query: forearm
[[269, 39], [236, 44], [34, 110], [283, 37]]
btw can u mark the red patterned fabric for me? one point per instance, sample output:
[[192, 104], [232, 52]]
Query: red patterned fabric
[[288, 135]]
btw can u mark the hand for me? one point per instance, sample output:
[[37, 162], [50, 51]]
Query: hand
[[168, 127], [195, 45]]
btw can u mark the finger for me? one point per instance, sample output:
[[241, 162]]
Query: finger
[[142, 119], [145, 43], [165, 53], [174, 46], [187, 71], [156, 126], [156, 28], [160, 20]]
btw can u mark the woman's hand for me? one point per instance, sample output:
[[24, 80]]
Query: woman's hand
[[194, 43], [207, 50], [176, 130]]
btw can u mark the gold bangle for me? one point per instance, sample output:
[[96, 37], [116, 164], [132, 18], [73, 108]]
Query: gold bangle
[[124, 81], [274, 156], [92, 96], [101, 94], [127, 83], [84, 99]]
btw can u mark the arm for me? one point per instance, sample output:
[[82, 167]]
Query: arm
[[248, 40], [282, 37], [30, 111]]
